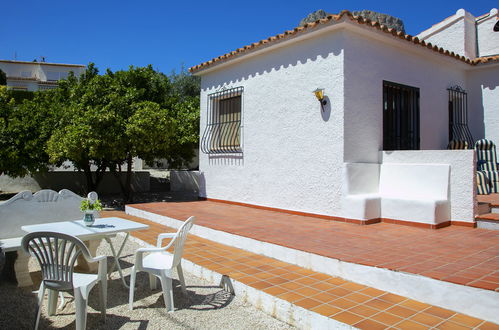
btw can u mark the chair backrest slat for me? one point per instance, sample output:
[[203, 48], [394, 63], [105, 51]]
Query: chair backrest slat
[[57, 254], [180, 239]]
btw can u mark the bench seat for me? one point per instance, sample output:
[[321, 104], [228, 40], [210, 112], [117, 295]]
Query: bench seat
[[405, 192]]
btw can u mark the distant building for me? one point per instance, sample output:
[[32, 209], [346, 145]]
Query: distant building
[[34, 76]]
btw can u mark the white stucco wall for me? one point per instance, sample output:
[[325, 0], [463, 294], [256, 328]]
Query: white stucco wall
[[462, 186], [456, 33], [488, 39], [292, 150], [483, 82], [367, 64], [294, 154]]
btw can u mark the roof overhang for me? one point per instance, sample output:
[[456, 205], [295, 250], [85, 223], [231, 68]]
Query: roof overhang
[[311, 30]]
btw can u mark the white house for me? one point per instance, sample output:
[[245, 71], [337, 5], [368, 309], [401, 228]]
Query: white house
[[34, 76], [374, 148]]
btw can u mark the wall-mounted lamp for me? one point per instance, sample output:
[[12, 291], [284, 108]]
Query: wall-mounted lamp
[[319, 94]]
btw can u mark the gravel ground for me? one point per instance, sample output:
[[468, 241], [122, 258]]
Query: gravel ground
[[206, 307]]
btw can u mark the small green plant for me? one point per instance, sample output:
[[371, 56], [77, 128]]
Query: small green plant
[[87, 205]]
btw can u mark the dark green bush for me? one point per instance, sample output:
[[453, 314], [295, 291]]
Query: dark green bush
[[20, 96]]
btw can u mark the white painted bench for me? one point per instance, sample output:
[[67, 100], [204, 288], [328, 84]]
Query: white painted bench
[[26, 208], [415, 192], [406, 192], [361, 191]]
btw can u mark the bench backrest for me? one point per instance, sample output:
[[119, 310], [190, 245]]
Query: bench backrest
[[46, 205], [361, 178], [418, 181]]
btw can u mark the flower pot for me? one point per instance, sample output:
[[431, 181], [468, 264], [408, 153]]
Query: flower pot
[[88, 218]]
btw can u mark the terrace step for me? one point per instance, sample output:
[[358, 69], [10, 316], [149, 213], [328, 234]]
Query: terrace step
[[483, 208], [299, 296], [418, 287], [488, 221], [490, 201]]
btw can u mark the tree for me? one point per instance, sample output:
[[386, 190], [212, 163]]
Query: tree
[[3, 78], [101, 122], [85, 130], [184, 84], [140, 97], [108, 120], [24, 132]]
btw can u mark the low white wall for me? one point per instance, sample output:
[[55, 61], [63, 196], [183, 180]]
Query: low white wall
[[184, 181], [483, 102], [462, 176], [73, 181]]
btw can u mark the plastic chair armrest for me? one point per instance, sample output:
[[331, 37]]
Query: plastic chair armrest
[[91, 259], [161, 237], [140, 252], [144, 250]]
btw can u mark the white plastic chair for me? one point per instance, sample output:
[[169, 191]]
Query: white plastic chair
[[160, 263], [57, 254]]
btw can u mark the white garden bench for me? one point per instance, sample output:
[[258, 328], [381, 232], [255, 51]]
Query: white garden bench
[[405, 192], [26, 208]]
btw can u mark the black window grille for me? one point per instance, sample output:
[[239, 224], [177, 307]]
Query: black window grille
[[458, 115], [223, 130], [400, 117]]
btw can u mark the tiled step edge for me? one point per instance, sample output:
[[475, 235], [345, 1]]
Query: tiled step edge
[[277, 308], [488, 221], [475, 302]]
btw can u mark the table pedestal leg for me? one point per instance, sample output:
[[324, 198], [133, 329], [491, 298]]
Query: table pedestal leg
[[92, 247], [21, 269], [117, 257]]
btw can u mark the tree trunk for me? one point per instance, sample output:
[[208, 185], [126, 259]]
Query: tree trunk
[[93, 182], [126, 187], [90, 186], [129, 179]]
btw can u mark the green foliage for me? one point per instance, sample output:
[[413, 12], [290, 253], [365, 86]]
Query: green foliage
[[3, 78], [101, 122], [87, 205], [20, 96], [24, 132], [185, 85]]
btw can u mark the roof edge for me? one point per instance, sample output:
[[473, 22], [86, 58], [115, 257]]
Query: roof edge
[[345, 14], [43, 63]]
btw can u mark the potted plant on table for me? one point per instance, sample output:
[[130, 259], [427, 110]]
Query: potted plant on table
[[88, 206]]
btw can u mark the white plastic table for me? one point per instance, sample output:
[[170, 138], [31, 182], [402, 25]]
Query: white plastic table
[[102, 228]]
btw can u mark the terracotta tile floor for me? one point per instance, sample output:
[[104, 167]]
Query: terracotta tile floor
[[455, 254], [345, 301]]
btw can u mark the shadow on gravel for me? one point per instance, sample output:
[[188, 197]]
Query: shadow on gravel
[[195, 300]]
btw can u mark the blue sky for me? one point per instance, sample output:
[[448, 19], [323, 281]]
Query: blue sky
[[167, 34]]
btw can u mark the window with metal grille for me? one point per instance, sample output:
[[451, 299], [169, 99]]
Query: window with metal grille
[[458, 116], [223, 130], [400, 117]]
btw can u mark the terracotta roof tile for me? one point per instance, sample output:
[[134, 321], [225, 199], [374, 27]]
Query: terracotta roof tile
[[486, 59], [345, 14]]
